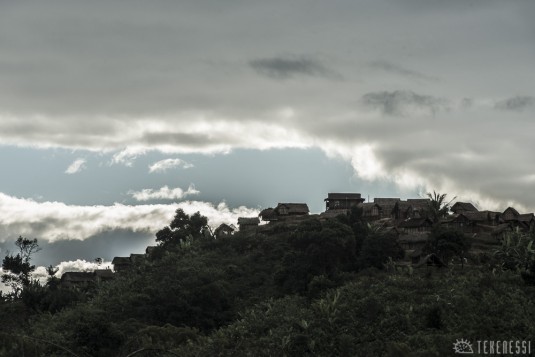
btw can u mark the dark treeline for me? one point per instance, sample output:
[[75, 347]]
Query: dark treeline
[[317, 288]]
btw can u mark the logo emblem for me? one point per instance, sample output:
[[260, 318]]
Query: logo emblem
[[463, 347]]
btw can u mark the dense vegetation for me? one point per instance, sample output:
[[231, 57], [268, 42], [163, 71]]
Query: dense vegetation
[[318, 288]]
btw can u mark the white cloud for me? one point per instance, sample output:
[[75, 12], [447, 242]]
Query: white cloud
[[128, 156], [164, 165], [53, 221], [164, 193], [77, 166]]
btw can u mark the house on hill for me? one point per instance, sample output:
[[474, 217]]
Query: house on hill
[[342, 201], [84, 279], [371, 211], [248, 223], [80, 279], [284, 211], [412, 208], [224, 230], [291, 209], [121, 263]]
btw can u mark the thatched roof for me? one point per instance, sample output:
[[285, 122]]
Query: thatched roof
[[479, 216], [344, 196], [511, 210], [463, 207], [293, 208], [268, 214]]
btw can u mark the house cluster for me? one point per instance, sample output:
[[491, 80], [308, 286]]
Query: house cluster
[[407, 219], [406, 216]]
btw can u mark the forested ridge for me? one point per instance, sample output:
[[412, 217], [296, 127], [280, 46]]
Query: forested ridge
[[319, 288]]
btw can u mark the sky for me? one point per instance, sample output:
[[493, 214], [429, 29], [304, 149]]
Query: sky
[[114, 114]]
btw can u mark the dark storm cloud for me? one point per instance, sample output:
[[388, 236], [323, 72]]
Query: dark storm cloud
[[290, 67], [400, 70], [404, 102], [518, 103]]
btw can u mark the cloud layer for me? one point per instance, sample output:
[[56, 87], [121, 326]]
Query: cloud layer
[[53, 221], [424, 94]]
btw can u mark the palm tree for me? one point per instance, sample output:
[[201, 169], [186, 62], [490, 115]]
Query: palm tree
[[438, 207]]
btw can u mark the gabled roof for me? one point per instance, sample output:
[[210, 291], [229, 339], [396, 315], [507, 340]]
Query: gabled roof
[[463, 206], [223, 227], [294, 208], [512, 210]]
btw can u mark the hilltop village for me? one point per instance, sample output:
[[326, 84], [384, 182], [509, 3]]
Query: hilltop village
[[408, 221]]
